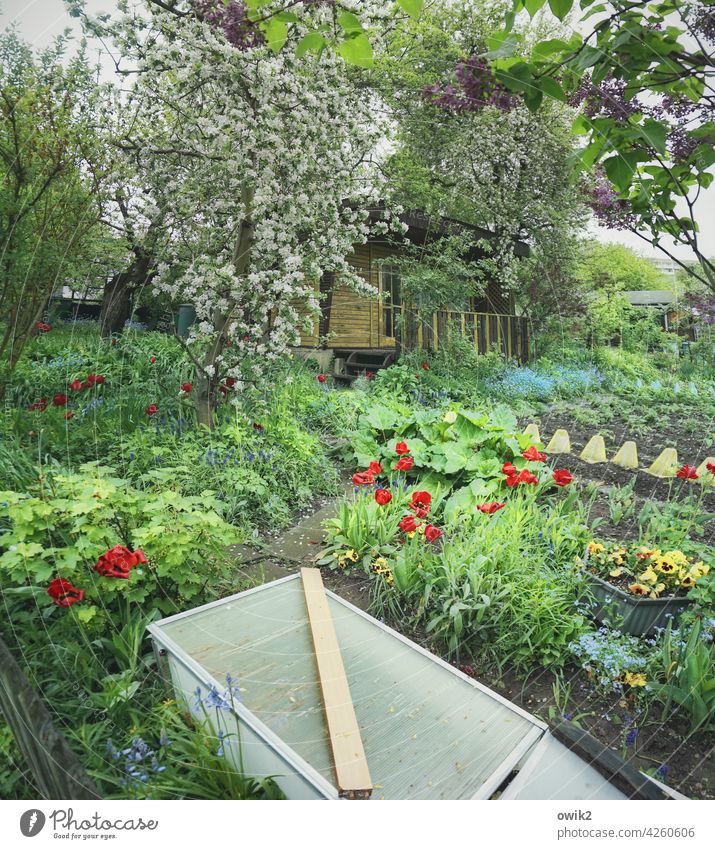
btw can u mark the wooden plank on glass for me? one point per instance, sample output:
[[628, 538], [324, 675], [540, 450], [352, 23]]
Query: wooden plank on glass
[[351, 769]]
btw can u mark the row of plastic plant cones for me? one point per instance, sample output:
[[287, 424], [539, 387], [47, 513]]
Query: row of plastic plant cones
[[664, 466]]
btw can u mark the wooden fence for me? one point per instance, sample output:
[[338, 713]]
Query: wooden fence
[[56, 769]]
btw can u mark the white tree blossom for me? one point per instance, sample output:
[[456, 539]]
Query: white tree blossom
[[264, 164]]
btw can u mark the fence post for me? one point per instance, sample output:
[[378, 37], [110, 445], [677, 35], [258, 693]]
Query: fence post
[[56, 769]]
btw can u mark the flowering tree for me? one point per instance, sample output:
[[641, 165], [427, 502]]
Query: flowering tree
[[262, 161], [642, 74]]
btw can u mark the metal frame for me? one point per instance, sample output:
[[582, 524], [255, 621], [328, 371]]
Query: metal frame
[[490, 784]]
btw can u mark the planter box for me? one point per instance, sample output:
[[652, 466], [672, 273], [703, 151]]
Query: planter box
[[633, 614]]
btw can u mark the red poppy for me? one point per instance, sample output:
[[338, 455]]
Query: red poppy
[[401, 448], [363, 478], [230, 381], [118, 562], [186, 387], [76, 385], [69, 415], [532, 453], [432, 533], [563, 477], [688, 473], [425, 366], [152, 360], [64, 593], [408, 524], [39, 406], [508, 469], [491, 507], [374, 468], [151, 409], [404, 464], [383, 496], [420, 503], [59, 400], [41, 327], [320, 378]]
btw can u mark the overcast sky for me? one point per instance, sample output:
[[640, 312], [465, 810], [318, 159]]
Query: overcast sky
[[39, 21]]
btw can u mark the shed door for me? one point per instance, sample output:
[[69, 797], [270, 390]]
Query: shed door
[[391, 304]]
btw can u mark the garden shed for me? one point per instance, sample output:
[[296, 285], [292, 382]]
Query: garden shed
[[352, 323]]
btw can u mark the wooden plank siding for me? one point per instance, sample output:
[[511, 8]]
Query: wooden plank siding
[[356, 321]]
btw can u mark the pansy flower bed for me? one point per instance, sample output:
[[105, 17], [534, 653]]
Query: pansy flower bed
[[645, 572]]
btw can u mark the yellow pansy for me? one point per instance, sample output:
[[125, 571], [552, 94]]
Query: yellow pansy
[[657, 590], [639, 589], [350, 554], [699, 570], [648, 576], [688, 581], [634, 679], [380, 563], [595, 548], [666, 567], [616, 573]]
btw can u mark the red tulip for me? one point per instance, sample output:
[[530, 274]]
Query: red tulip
[[710, 467], [186, 387], [320, 378], [59, 400], [230, 381], [369, 375], [408, 524], [223, 390], [118, 562], [688, 473], [151, 409], [401, 448], [41, 327], [39, 406], [563, 477], [432, 533], [374, 468], [69, 415], [525, 476], [114, 342], [383, 497], [511, 481], [425, 366], [64, 593], [152, 360], [508, 469], [420, 503], [490, 508], [76, 385], [363, 478], [404, 464], [533, 454]]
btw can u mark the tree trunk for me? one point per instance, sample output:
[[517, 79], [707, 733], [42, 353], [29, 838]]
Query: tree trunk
[[118, 292]]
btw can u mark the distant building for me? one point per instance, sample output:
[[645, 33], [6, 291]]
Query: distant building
[[664, 264], [663, 300]]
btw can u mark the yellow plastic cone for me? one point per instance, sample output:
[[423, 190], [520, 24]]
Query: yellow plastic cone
[[703, 470], [595, 450], [626, 456], [665, 465], [560, 442], [532, 430]]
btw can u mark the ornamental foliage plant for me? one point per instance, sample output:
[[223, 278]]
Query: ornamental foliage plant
[[266, 163], [171, 547]]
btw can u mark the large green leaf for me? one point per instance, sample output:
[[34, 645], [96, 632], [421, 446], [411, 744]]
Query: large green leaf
[[381, 418], [357, 51], [312, 42], [621, 168], [412, 7], [560, 8], [533, 6], [276, 32], [654, 133]]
